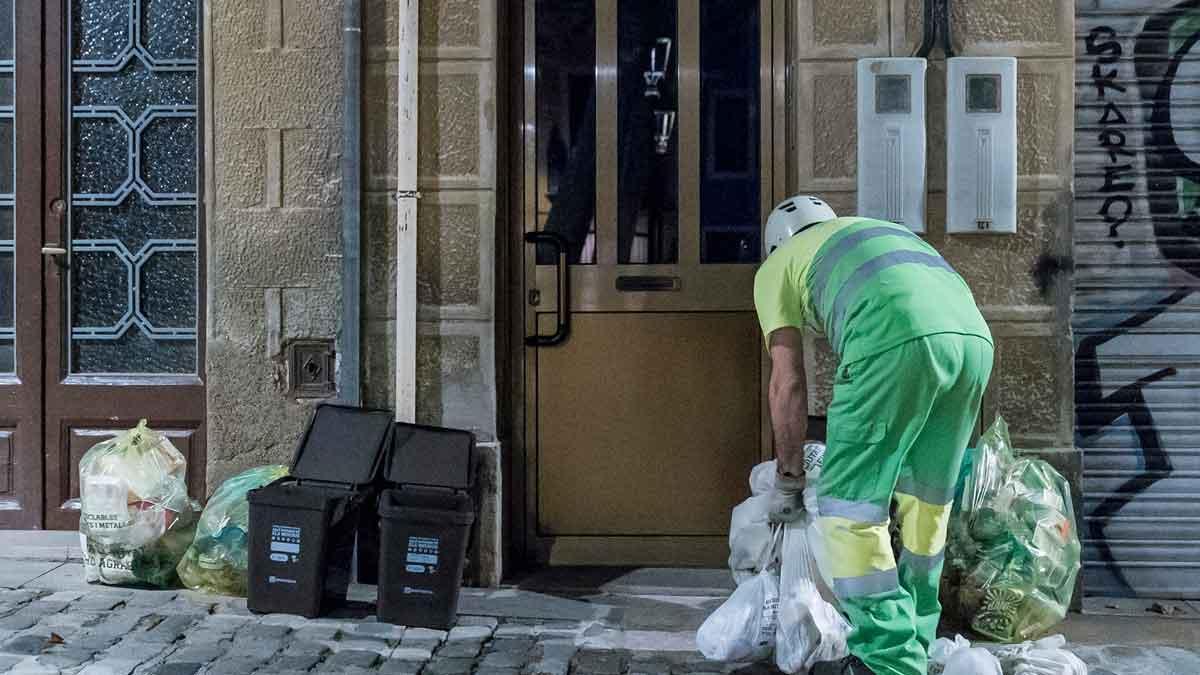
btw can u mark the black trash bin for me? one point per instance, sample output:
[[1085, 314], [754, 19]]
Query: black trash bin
[[426, 516], [302, 527]]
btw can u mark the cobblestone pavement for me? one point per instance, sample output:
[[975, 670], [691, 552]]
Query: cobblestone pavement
[[59, 625]]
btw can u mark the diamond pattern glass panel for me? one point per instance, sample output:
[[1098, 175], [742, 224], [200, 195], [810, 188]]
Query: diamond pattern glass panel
[[133, 186], [8, 158]]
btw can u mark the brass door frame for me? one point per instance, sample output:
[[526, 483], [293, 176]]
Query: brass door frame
[[593, 286]]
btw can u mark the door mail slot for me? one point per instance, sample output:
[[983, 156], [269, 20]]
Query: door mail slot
[[633, 284]]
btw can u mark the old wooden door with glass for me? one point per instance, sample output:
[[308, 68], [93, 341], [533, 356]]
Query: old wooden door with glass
[[649, 149], [100, 240]]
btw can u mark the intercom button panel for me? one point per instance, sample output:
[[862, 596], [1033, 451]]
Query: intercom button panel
[[981, 144], [891, 140]]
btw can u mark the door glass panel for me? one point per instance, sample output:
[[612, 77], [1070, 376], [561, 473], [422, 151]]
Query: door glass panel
[[565, 37], [133, 178], [647, 152], [8, 160], [730, 166]]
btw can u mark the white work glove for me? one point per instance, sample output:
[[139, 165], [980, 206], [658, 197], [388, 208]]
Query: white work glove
[[787, 499]]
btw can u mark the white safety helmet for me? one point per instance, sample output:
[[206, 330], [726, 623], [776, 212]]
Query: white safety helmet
[[791, 216]]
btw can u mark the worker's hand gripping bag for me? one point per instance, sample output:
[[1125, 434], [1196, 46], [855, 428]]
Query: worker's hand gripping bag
[[1013, 550], [218, 559], [136, 519], [743, 628]]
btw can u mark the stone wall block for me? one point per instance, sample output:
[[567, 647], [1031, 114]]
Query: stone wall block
[[457, 126], [238, 25], [311, 312], [1025, 387], [993, 27], [277, 89], [312, 168], [450, 23], [247, 425], [265, 248], [827, 140], [240, 166], [841, 29], [313, 24], [1045, 123], [455, 235], [999, 267], [454, 386]]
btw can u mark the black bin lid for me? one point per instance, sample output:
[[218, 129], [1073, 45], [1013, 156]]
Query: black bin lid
[[431, 457], [342, 445]]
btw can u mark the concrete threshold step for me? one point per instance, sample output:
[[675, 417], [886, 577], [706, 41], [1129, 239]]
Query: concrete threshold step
[[55, 545]]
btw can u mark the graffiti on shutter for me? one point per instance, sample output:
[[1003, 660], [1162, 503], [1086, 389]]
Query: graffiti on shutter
[[1137, 294]]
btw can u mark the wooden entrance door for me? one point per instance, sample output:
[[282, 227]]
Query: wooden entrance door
[[649, 164], [108, 238]]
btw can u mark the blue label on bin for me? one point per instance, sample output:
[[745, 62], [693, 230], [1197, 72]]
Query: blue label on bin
[[424, 551], [285, 543], [415, 569]]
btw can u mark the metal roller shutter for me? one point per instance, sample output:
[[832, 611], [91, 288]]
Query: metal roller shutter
[[1137, 294]]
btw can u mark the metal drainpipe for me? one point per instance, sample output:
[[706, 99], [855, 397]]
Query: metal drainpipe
[[350, 370], [406, 214]]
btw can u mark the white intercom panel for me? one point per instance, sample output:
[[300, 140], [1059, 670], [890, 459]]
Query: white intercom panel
[[891, 140], [981, 144]]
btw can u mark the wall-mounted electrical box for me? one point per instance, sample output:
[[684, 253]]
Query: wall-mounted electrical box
[[981, 144], [891, 140]]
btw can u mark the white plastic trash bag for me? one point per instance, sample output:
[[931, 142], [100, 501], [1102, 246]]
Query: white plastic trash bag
[[1042, 657], [743, 629], [958, 657], [762, 478], [749, 536], [810, 629]]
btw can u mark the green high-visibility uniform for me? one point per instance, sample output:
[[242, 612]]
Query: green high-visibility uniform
[[915, 357]]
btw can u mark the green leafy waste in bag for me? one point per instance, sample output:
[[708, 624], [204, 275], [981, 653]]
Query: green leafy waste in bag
[[1012, 551], [217, 561]]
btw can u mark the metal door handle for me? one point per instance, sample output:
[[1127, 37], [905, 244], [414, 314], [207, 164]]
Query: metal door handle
[[53, 249], [563, 330]]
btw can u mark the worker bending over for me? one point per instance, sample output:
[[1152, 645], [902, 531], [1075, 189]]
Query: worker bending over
[[915, 356]]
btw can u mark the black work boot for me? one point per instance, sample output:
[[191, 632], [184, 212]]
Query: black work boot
[[851, 665]]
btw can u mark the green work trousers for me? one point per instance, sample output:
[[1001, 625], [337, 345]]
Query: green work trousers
[[899, 424]]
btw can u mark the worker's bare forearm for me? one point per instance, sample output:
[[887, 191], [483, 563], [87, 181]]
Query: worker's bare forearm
[[789, 418], [788, 394]]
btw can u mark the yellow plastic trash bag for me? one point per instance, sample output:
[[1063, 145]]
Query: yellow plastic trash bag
[[136, 519]]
